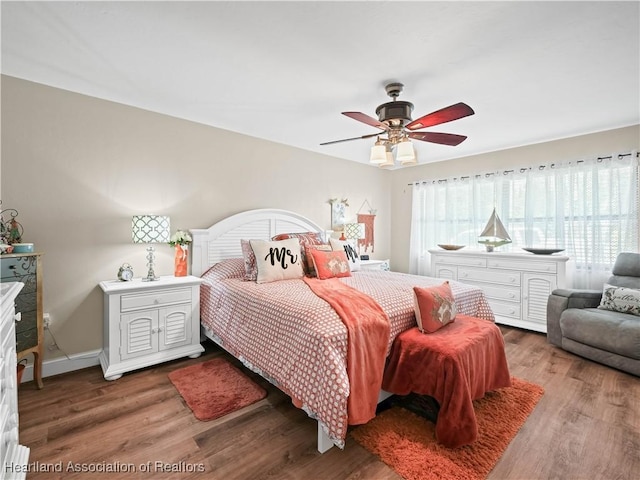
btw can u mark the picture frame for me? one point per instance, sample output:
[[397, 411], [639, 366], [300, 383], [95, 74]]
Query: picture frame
[[338, 214]]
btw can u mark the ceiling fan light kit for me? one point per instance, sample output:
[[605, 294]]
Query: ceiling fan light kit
[[395, 119]]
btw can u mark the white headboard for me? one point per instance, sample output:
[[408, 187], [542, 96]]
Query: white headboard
[[222, 240]]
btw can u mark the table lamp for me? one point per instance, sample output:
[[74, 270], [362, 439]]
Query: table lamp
[[150, 229]]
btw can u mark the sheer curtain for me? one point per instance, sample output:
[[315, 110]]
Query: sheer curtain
[[589, 208]]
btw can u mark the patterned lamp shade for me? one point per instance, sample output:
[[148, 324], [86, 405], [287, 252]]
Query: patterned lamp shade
[[354, 230], [150, 229]]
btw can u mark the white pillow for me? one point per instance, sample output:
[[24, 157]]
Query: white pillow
[[278, 260], [620, 299], [352, 254]]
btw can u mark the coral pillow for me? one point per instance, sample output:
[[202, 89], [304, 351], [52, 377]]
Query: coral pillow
[[434, 306], [311, 269], [250, 267], [277, 260], [330, 264]]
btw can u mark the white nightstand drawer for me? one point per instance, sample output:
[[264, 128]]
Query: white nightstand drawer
[[155, 299]]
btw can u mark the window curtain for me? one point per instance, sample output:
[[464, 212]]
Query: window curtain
[[587, 207]]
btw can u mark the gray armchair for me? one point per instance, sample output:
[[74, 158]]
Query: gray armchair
[[575, 324]]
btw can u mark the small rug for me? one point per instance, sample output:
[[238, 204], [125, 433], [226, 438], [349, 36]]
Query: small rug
[[215, 388], [407, 443]]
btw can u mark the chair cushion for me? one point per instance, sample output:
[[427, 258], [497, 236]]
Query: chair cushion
[[610, 331]]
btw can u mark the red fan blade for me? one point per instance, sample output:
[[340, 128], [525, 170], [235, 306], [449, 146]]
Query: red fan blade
[[442, 138], [447, 114], [361, 117], [354, 138]]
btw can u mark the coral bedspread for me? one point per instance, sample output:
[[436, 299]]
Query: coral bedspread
[[285, 332], [455, 365]]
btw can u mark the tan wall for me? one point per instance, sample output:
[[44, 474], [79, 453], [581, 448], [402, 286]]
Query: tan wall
[[586, 146], [77, 168]]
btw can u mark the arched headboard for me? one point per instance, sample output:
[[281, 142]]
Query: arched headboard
[[222, 240]]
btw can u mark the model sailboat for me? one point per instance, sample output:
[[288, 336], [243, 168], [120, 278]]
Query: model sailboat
[[494, 234]]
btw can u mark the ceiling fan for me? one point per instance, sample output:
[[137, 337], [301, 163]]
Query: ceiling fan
[[394, 118]]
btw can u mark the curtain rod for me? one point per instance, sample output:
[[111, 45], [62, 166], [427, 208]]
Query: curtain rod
[[522, 170]]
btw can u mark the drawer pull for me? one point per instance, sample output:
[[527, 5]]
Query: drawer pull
[[18, 317], [512, 279], [156, 301]]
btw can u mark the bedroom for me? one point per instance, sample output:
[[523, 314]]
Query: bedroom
[[78, 167]]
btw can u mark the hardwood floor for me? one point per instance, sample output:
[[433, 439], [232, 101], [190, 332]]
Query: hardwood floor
[[587, 426]]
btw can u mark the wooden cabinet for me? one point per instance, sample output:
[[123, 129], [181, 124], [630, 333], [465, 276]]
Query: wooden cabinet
[[27, 269], [149, 322], [13, 456], [517, 285]]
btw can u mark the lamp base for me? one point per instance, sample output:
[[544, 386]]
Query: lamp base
[[151, 274]]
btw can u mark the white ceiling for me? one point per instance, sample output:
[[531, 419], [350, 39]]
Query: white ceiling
[[283, 71]]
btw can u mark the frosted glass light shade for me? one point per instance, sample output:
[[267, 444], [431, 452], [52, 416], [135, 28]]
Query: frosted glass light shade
[[378, 154], [405, 153], [150, 229], [389, 162]]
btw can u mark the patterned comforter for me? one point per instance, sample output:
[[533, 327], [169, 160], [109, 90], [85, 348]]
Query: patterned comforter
[[283, 331]]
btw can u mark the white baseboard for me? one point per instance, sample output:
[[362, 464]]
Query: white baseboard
[[59, 365]]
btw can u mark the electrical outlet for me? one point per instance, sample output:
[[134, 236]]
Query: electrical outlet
[[46, 320]]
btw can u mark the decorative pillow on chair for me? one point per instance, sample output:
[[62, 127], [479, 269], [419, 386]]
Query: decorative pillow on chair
[[250, 267], [620, 299], [311, 269], [330, 264], [305, 238], [434, 307], [279, 260], [349, 250]]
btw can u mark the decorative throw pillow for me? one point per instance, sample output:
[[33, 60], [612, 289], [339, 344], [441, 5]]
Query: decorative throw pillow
[[620, 299], [250, 267], [311, 269], [330, 264], [305, 238], [349, 250], [279, 260], [434, 307]]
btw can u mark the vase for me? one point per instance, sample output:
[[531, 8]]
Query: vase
[[180, 263]]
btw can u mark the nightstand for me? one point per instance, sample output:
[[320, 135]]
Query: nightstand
[[146, 323], [374, 264]]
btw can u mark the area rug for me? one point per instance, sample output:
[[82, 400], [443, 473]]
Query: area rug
[[407, 443], [215, 388]]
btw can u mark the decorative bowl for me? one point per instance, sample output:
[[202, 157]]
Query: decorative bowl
[[22, 247], [450, 247], [543, 251]]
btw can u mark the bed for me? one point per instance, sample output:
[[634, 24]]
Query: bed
[[282, 330]]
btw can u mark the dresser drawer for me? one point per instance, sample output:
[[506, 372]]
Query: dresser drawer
[[503, 277], [500, 292], [460, 260], [504, 309], [155, 299], [544, 267]]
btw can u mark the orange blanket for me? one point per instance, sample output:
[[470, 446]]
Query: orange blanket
[[456, 365], [368, 331]]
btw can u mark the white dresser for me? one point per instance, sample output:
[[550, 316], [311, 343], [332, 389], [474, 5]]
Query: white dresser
[[146, 323], [517, 285], [14, 457]]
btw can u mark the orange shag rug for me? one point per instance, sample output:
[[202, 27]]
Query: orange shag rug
[[215, 388], [407, 443]]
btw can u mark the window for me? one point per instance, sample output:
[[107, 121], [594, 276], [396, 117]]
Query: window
[[589, 208]]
